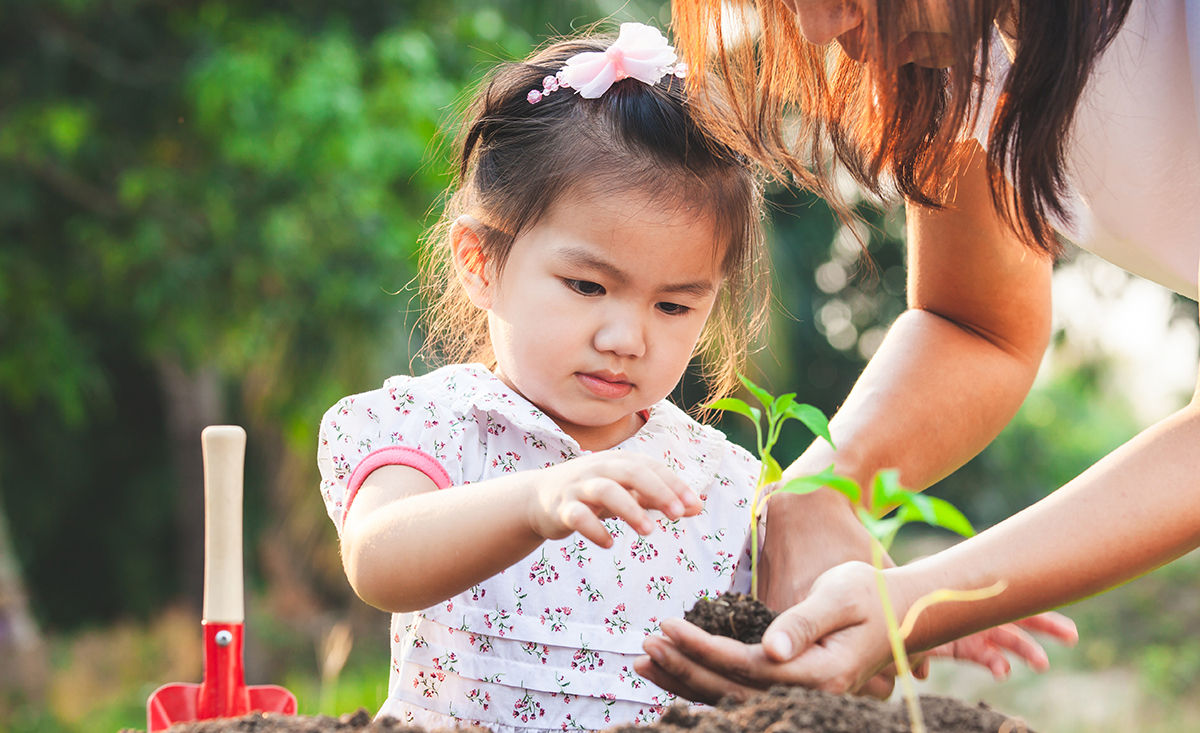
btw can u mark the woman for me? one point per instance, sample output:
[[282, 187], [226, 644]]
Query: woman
[[1000, 122]]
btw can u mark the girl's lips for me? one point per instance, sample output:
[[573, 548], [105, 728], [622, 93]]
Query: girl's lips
[[607, 388]]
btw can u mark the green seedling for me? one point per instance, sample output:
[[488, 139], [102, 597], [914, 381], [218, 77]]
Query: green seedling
[[874, 509], [778, 411]]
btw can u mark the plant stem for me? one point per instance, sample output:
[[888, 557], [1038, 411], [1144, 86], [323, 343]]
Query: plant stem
[[753, 556], [903, 671], [756, 506]]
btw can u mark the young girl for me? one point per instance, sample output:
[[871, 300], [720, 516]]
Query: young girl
[[538, 504]]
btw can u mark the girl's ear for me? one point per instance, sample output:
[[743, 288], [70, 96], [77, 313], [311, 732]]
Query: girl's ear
[[470, 263]]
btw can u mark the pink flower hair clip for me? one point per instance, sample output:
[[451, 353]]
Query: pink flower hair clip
[[640, 52]]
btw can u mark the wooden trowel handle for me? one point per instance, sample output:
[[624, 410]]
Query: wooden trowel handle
[[224, 449]]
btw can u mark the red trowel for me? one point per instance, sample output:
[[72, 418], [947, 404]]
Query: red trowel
[[223, 693]]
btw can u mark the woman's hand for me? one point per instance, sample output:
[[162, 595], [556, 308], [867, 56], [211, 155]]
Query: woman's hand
[[576, 495], [835, 640]]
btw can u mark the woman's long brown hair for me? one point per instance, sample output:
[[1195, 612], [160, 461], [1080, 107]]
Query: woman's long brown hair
[[797, 108]]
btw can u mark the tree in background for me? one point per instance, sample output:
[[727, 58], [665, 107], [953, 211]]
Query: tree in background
[[208, 211], [209, 214]]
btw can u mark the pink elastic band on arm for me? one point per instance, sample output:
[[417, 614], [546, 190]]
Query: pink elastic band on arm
[[396, 455]]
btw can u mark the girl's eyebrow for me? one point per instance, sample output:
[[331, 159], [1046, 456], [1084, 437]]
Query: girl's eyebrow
[[581, 257]]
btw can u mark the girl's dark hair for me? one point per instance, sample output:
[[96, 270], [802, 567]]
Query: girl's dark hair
[[516, 159], [896, 125]]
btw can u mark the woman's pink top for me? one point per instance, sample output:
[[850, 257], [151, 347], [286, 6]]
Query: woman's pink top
[[1134, 153]]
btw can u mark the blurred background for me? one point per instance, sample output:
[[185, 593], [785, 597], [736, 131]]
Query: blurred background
[[209, 214]]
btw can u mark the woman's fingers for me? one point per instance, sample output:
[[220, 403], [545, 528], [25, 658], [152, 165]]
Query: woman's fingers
[[666, 667], [1015, 640], [716, 664], [821, 613]]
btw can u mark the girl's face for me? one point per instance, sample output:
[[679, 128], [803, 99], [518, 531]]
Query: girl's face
[[922, 36], [599, 308]]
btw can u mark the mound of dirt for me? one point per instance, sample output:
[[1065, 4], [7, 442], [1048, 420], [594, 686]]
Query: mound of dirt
[[780, 710]]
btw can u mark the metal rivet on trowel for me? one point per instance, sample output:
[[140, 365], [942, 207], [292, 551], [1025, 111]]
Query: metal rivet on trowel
[[224, 638]]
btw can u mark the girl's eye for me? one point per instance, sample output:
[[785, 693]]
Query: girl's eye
[[584, 287], [674, 309]]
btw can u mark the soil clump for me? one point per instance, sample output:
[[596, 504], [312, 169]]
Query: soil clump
[[736, 615]]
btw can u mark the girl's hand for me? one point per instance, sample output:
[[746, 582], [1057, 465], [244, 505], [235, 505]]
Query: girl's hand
[[574, 496], [988, 648]]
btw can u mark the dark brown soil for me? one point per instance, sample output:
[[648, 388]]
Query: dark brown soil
[[780, 710], [735, 615], [798, 710], [359, 722]]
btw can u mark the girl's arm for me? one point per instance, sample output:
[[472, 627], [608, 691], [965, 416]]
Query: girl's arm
[[407, 545], [951, 373]]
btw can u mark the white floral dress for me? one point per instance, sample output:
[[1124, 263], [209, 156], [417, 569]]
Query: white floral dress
[[549, 643]]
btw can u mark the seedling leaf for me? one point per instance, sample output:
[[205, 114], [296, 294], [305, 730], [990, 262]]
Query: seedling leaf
[[886, 491], [918, 508], [763, 395], [883, 530], [733, 404], [774, 472], [826, 479], [813, 419], [947, 516]]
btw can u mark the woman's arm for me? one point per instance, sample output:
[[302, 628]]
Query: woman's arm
[[407, 545], [951, 373], [1136, 509]]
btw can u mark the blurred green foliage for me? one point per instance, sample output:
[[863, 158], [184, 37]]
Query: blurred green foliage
[[240, 187], [215, 188]]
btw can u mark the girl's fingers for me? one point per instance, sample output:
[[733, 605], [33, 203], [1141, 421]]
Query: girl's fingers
[[688, 498], [645, 481], [580, 518], [1053, 624], [655, 485], [880, 686], [1012, 638], [613, 499]]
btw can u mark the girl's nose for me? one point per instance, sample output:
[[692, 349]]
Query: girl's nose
[[821, 21], [622, 334]]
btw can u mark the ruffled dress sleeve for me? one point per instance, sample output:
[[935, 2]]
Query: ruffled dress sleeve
[[405, 422]]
